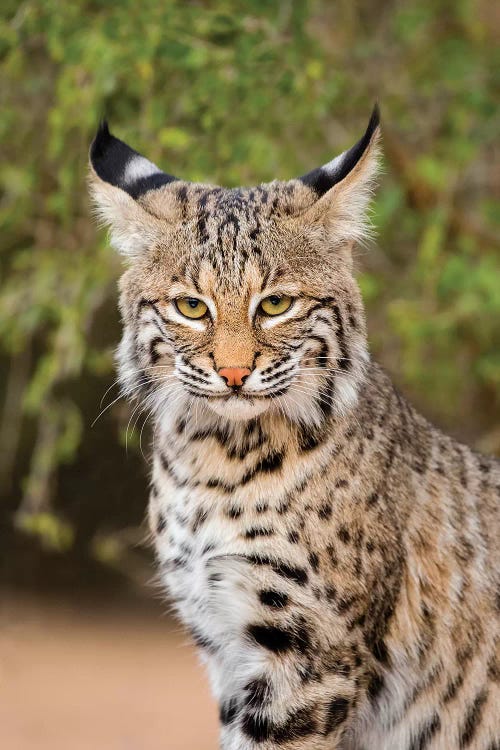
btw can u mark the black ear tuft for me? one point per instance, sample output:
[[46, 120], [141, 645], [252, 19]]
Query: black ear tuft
[[121, 166], [324, 178]]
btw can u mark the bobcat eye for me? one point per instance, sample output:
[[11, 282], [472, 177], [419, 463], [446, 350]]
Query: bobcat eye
[[275, 304], [191, 307]]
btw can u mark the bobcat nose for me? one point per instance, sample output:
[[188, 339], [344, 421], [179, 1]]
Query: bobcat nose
[[234, 376]]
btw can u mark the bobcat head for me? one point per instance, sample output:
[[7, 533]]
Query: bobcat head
[[239, 301]]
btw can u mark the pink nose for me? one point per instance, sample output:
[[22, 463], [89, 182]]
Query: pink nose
[[234, 375]]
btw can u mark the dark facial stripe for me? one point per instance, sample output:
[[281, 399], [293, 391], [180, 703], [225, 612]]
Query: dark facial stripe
[[192, 379], [326, 396], [279, 376], [343, 361], [154, 355]]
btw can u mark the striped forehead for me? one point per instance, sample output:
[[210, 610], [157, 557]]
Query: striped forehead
[[229, 257], [231, 237]]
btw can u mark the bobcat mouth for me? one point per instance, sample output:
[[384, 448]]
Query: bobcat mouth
[[236, 395]]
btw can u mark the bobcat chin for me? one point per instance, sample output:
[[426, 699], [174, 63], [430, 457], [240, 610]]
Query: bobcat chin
[[334, 556]]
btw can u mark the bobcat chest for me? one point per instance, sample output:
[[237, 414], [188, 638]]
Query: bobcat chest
[[209, 513]]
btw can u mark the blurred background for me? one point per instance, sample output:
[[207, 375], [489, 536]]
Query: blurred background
[[238, 93]]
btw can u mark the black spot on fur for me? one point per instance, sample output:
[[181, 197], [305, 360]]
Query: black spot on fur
[[345, 603], [331, 592], [341, 483], [256, 531], [256, 726], [314, 561], [298, 575], [199, 519], [421, 741], [494, 670], [336, 714], [203, 642], [375, 686], [340, 667], [300, 724], [302, 639], [309, 439], [257, 691], [219, 484], [473, 719], [228, 710], [161, 524], [269, 464], [325, 511], [293, 537], [271, 637], [273, 598], [332, 553], [379, 650], [233, 512], [343, 534]]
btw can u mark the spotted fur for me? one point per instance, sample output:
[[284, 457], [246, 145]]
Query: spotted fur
[[332, 554]]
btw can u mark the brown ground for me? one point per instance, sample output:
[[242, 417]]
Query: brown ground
[[81, 677]]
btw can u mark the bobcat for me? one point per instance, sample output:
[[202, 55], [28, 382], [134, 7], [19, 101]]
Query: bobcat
[[332, 553]]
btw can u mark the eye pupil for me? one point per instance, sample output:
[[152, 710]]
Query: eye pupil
[[193, 303], [274, 299]]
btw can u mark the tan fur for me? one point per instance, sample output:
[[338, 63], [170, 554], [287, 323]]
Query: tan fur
[[334, 555]]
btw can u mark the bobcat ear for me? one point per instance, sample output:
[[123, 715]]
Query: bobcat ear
[[343, 187], [126, 189], [121, 166]]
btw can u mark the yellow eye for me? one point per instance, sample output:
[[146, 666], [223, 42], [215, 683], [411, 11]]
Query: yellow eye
[[191, 307], [276, 304]]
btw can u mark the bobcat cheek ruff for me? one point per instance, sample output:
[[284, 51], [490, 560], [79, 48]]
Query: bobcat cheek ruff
[[333, 555]]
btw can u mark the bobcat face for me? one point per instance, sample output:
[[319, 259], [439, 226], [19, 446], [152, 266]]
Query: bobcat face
[[238, 301]]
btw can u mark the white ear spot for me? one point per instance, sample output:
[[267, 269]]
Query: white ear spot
[[334, 165], [137, 168]]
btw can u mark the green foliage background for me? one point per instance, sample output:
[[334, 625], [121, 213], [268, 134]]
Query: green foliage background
[[235, 92]]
